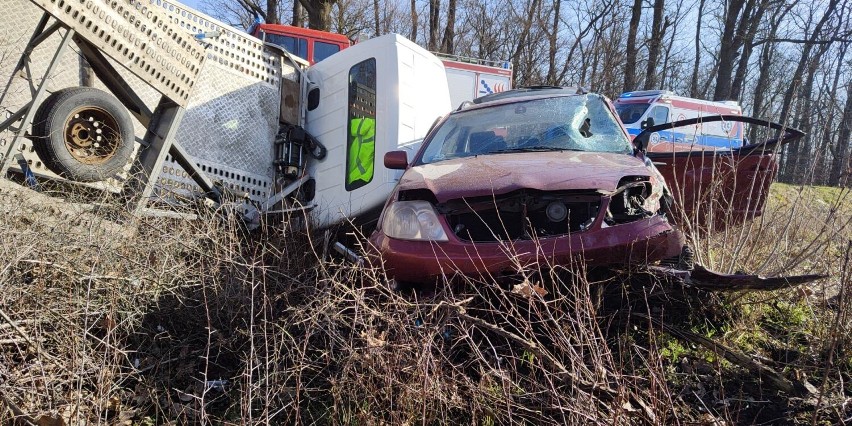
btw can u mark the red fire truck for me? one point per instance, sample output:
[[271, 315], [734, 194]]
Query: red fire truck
[[310, 45]]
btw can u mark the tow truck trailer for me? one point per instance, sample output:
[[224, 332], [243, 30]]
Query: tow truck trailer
[[162, 102]]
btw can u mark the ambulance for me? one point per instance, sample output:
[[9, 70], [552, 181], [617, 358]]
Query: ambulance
[[639, 109]]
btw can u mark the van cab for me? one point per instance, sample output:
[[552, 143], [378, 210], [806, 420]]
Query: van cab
[[645, 108]]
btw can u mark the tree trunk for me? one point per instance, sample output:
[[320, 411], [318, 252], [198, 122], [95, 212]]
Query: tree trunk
[[525, 32], [797, 151], [297, 14], [766, 54], [825, 148], [670, 48], [450, 29], [789, 156], [840, 164], [751, 24], [655, 43], [434, 23], [376, 14], [727, 51], [795, 81], [272, 12], [553, 36], [693, 82], [630, 50], [319, 13], [414, 21]]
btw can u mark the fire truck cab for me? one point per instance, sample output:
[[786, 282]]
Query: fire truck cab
[[310, 45]]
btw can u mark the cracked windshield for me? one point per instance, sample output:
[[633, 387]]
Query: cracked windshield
[[568, 123]]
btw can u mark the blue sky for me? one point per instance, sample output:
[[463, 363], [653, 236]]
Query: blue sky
[[195, 4]]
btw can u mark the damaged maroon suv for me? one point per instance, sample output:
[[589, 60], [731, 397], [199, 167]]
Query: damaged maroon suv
[[527, 180], [537, 177]]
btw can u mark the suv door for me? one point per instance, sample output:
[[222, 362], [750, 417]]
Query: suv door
[[715, 188]]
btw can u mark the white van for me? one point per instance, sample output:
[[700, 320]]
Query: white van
[[634, 109]]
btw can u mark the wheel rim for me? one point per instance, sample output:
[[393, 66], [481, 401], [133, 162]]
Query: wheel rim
[[92, 135]]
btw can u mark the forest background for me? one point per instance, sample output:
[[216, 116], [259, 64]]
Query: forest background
[[784, 60]]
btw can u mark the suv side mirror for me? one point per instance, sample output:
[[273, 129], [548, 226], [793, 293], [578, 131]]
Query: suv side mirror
[[642, 139], [396, 160]]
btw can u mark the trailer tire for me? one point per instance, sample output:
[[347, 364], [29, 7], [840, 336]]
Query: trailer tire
[[83, 134]]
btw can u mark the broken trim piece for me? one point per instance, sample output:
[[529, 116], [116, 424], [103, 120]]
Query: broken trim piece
[[706, 279]]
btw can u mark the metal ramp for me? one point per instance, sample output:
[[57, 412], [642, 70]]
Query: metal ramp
[[153, 42]]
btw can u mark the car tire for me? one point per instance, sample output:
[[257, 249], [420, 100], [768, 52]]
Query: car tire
[[684, 262], [83, 134]]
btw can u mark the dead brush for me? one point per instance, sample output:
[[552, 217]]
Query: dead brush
[[75, 278], [803, 230], [109, 319]]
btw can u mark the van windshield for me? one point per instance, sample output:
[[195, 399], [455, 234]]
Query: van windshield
[[630, 113]]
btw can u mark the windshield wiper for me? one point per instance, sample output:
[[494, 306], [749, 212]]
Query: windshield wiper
[[537, 148]]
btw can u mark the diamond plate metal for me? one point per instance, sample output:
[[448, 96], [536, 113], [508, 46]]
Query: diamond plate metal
[[235, 127]]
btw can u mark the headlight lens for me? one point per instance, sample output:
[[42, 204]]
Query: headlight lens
[[413, 220]]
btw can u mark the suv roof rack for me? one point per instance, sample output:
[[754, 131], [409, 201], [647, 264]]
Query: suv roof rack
[[529, 90]]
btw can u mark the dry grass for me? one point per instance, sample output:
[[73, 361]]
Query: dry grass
[[107, 318]]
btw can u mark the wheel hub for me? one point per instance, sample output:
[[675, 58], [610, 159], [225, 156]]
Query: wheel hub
[[91, 135]]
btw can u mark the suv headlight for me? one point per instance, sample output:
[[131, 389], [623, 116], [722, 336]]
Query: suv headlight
[[413, 220]]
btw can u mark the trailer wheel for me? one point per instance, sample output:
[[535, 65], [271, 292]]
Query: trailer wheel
[[83, 134]]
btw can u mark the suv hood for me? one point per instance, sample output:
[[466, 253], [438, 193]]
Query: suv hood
[[495, 174]]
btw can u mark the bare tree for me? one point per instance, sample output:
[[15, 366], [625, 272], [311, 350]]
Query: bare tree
[[268, 11], [414, 20], [790, 158], [669, 51], [297, 20], [748, 29], [434, 23], [447, 42], [765, 63], [841, 164], [590, 23], [552, 38], [728, 49], [319, 13], [353, 17], [693, 82], [631, 48], [655, 42]]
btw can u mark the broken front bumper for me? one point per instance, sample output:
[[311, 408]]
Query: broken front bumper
[[643, 241]]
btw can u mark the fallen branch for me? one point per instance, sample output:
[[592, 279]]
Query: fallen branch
[[17, 413], [19, 330]]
